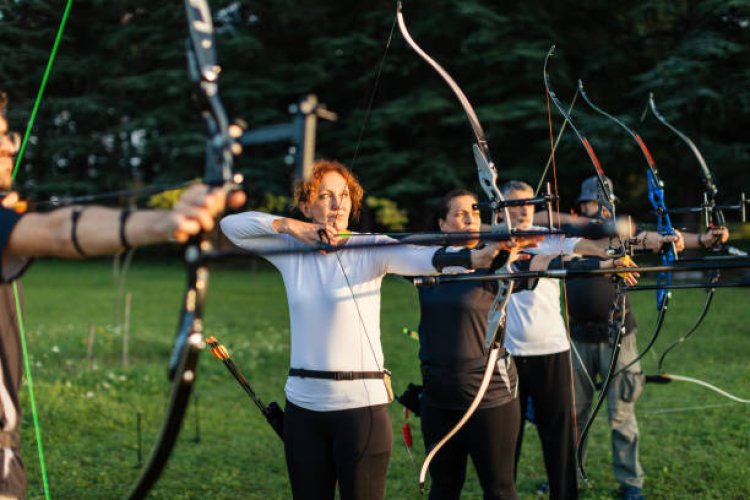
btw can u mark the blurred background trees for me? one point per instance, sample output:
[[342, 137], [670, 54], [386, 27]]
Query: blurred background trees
[[118, 113]]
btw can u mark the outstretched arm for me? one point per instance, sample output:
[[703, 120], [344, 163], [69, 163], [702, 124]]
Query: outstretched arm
[[712, 238], [105, 231], [546, 262]]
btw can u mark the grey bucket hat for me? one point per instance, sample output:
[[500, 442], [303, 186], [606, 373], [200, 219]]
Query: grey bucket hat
[[590, 189]]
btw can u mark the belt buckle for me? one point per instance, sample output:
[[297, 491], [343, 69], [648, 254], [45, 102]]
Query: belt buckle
[[345, 375]]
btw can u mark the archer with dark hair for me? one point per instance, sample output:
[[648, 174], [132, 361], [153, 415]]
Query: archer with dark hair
[[452, 352]]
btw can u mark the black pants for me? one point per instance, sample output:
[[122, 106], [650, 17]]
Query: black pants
[[489, 437], [547, 380], [352, 447]]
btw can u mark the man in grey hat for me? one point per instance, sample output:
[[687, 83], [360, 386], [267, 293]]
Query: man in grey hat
[[589, 301], [591, 189]]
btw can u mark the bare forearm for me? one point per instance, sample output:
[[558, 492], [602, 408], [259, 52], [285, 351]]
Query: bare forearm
[[105, 231], [592, 248], [542, 219], [710, 239], [97, 232]]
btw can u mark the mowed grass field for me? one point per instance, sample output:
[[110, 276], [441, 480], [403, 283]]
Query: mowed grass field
[[694, 443]]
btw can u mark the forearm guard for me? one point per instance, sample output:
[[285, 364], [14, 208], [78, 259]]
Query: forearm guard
[[444, 258]]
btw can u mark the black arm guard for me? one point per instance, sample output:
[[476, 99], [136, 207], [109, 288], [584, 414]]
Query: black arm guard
[[443, 258], [576, 264]]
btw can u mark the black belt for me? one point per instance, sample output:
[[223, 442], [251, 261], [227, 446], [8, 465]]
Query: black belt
[[302, 373]]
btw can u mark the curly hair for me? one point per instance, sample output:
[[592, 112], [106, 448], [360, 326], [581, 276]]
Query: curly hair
[[305, 191]]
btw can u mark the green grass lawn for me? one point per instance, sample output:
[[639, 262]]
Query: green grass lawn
[[694, 443]]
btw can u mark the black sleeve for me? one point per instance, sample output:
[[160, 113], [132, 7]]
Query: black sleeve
[[444, 258], [10, 267], [575, 264], [8, 220]]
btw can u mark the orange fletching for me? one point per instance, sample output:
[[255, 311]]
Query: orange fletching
[[21, 206], [217, 349]]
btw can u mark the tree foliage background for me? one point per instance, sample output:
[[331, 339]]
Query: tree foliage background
[[117, 111]]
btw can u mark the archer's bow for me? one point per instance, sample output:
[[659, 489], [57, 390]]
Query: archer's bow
[[712, 215], [606, 199], [668, 253], [189, 341], [488, 177]]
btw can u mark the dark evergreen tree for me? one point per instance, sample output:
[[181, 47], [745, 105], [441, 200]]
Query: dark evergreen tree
[[117, 110]]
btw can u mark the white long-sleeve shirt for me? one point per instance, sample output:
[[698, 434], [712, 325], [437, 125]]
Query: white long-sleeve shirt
[[534, 325], [333, 327]]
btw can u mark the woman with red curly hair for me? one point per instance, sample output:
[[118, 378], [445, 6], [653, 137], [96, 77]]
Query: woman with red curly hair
[[336, 424]]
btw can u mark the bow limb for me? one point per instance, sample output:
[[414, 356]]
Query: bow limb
[[668, 254], [189, 340], [706, 305], [606, 195], [488, 178], [486, 169], [468, 108], [713, 216], [488, 372]]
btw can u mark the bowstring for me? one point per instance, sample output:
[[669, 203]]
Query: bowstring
[[16, 297], [371, 99], [554, 143], [355, 156], [553, 161], [359, 314]]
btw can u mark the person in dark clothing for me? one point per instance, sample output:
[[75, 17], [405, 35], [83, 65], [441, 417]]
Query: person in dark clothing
[[589, 302], [452, 354]]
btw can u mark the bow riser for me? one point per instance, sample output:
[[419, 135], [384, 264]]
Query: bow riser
[[497, 313], [488, 177], [668, 254], [218, 172]]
